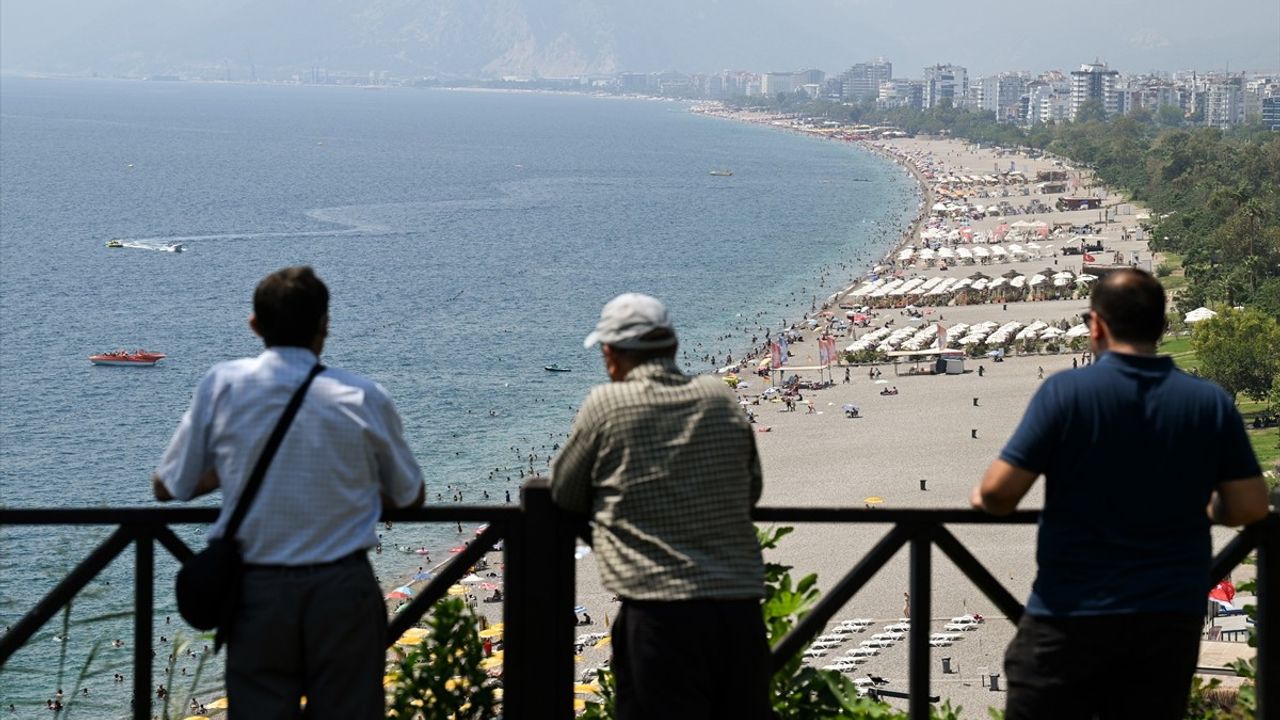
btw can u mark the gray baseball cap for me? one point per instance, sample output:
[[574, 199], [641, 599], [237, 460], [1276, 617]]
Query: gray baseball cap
[[627, 319]]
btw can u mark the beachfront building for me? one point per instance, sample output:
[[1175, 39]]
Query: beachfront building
[[1271, 112], [900, 94], [1094, 81], [945, 84], [786, 83], [1224, 103], [861, 82], [999, 94]]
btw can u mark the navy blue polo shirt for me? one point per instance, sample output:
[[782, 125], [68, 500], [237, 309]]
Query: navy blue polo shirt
[[1131, 449]]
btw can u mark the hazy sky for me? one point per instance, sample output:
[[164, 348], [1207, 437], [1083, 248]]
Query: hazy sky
[[409, 37]]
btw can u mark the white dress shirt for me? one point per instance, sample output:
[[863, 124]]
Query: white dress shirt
[[320, 498]]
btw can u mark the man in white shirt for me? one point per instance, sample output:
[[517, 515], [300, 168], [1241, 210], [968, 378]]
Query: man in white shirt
[[310, 619]]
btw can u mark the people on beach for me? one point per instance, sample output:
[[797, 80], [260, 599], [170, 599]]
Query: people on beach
[[661, 461], [1123, 545], [310, 616]]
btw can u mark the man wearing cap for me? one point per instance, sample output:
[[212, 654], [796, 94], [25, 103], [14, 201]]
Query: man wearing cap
[[666, 466]]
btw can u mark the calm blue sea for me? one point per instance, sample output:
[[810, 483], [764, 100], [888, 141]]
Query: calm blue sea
[[468, 239]]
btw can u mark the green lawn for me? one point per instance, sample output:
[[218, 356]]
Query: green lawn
[[1180, 348], [1177, 279], [1266, 445]]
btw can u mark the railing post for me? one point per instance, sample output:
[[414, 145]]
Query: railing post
[[1268, 618], [143, 609], [921, 612], [538, 643]]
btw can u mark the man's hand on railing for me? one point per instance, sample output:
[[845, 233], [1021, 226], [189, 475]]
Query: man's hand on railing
[[1002, 488], [207, 483]]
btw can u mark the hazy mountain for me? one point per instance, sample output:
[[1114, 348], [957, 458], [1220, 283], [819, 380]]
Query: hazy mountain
[[569, 37]]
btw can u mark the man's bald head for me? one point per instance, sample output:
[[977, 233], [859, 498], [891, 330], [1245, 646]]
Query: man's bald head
[[1131, 302]]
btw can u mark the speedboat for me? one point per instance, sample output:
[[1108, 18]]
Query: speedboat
[[121, 358], [176, 247], [722, 173], [555, 368], [114, 244]]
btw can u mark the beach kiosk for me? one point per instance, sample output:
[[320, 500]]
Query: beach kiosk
[[945, 361]]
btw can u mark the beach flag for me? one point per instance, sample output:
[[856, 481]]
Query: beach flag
[[784, 348], [1223, 593], [823, 358], [942, 336], [776, 350], [832, 354], [1089, 258]]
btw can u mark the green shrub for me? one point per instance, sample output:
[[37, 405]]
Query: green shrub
[[441, 678]]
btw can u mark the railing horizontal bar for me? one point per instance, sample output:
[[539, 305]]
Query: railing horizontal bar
[[206, 515], [811, 624], [448, 575], [63, 592], [864, 515], [978, 573]]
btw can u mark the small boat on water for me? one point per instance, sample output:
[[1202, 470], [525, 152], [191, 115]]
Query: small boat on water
[[176, 247], [722, 173], [124, 358], [114, 244], [555, 368]]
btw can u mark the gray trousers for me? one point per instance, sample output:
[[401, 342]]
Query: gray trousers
[[318, 632]]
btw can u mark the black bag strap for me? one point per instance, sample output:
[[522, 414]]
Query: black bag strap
[[268, 452]]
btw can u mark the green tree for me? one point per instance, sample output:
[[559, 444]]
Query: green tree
[[1238, 350]]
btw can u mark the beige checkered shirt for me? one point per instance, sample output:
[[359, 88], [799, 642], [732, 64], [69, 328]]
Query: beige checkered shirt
[[666, 465]]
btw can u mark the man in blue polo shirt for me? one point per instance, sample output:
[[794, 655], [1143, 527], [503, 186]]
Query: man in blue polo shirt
[[1139, 458]]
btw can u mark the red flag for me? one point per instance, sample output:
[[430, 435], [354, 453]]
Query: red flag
[[1223, 591], [1088, 258]]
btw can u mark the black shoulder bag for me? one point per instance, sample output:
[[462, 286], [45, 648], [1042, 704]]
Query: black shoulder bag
[[208, 585]]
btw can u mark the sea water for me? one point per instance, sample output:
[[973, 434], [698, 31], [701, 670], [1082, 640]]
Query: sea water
[[468, 240]]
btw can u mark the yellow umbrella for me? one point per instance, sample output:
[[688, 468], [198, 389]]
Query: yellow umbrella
[[604, 641], [219, 704], [412, 637], [490, 633], [586, 688], [490, 663], [457, 590], [498, 626], [579, 704], [873, 500]]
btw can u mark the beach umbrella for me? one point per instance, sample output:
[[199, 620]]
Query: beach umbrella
[[873, 500], [1078, 331], [586, 688], [419, 576], [457, 590], [472, 578], [488, 586], [398, 595], [412, 637], [490, 633], [579, 609]]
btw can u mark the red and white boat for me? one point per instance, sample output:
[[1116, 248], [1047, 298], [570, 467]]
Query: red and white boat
[[124, 358]]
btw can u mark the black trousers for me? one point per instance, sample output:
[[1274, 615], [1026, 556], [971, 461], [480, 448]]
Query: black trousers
[[1113, 666], [691, 659], [315, 631]]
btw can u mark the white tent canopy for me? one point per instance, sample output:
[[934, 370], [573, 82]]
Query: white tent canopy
[[1199, 314]]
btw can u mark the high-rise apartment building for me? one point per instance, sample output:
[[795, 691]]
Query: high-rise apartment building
[[862, 81], [945, 83], [1224, 103], [1094, 81]]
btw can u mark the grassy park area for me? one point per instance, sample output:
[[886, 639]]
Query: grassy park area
[[1266, 442]]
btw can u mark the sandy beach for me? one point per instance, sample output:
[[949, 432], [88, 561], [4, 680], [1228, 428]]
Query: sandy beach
[[823, 459]]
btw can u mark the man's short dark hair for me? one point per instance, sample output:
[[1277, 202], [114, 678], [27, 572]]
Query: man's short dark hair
[[290, 305], [1131, 301]]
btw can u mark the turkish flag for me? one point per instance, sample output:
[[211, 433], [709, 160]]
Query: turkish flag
[[1223, 593], [1088, 257]]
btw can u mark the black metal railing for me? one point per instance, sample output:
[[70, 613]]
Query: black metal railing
[[538, 542]]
